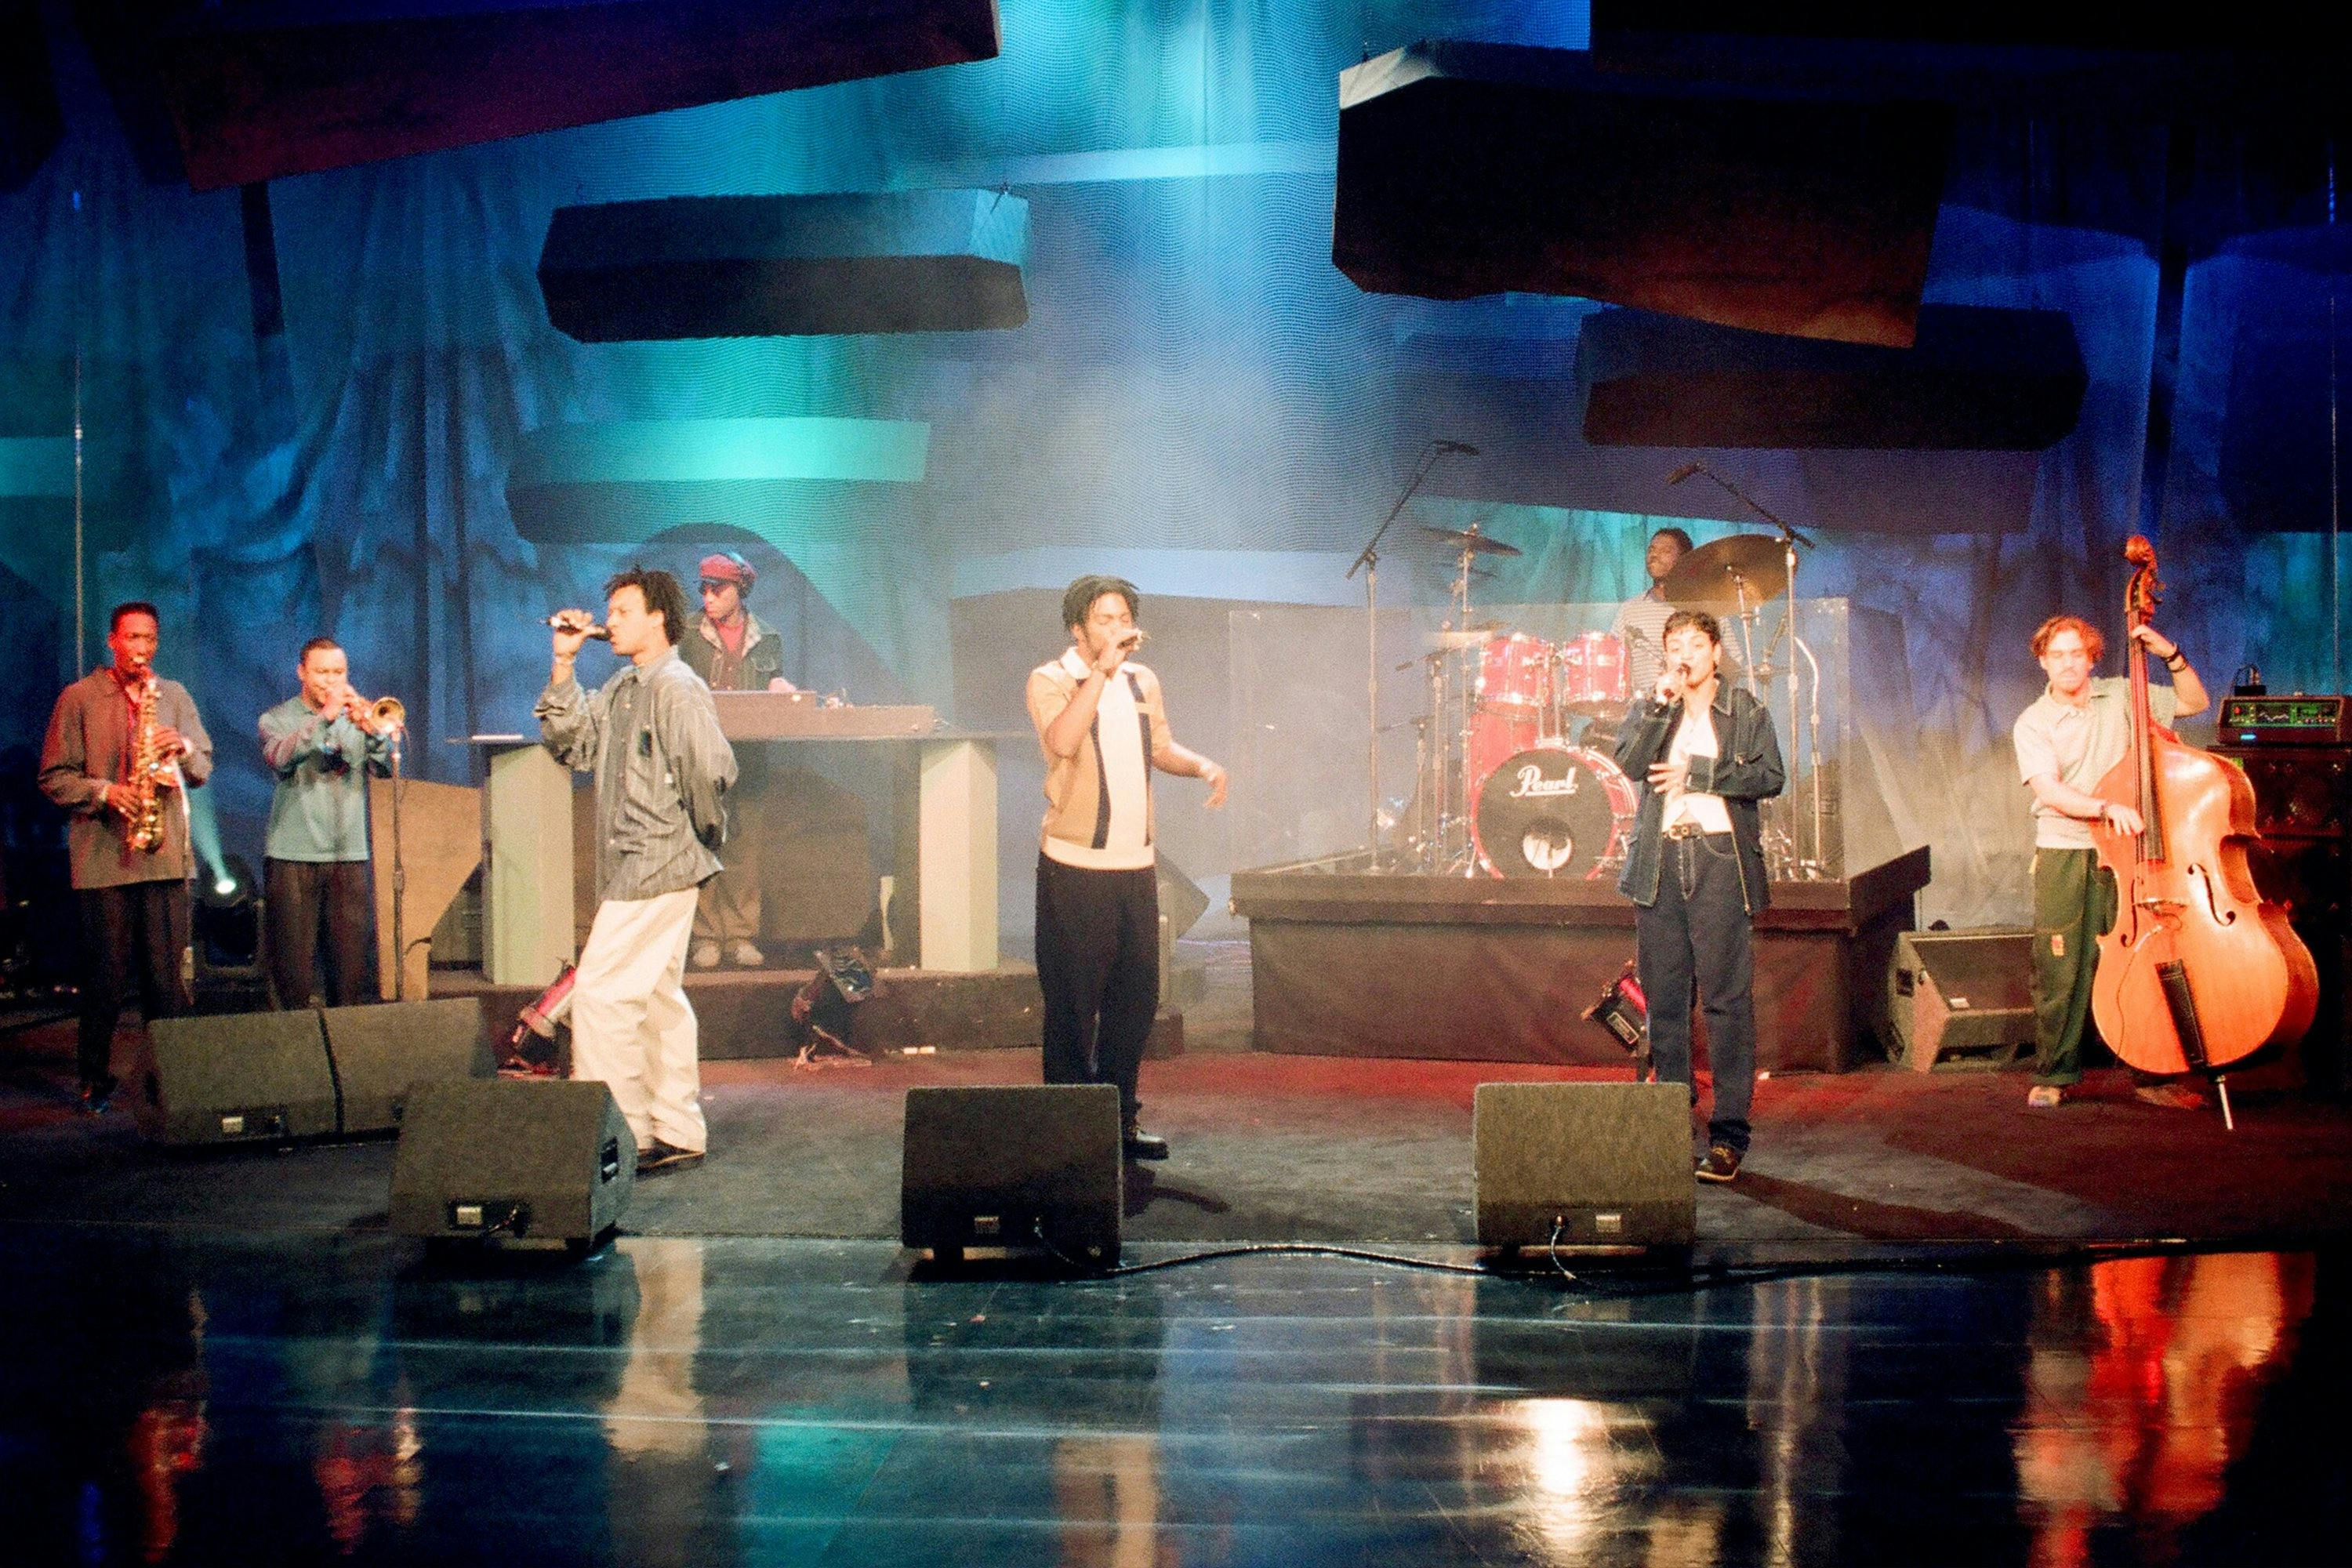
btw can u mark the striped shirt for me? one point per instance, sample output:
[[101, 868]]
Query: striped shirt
[[663, 769], [1098, 802]]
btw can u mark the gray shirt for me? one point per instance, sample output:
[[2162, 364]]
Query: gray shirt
[[651, 736], [89, 731], [2077, 746], [319, 812]]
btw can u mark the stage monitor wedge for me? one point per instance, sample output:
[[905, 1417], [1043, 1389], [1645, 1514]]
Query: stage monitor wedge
[[511, 1159], [1474, 169], [260, 91], [732, 267], [1584, 1165], [239, 1078], [1979, 379], [1022, 1168], [381, 1051]]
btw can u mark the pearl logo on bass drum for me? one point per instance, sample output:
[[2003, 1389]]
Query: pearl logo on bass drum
[[1532, 785]]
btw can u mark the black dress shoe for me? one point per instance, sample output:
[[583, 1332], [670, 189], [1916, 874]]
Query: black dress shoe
[[1138, 1144], [662, 1158]]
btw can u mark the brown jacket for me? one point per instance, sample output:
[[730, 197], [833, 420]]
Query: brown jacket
[[83, 752], [1073, 783]]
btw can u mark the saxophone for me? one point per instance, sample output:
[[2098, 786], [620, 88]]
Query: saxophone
[[149, 766]]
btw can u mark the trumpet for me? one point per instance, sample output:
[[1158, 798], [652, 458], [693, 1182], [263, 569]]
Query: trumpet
[[382, 717]]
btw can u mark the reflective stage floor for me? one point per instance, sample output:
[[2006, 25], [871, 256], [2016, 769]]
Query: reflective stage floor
[[191, 1395]]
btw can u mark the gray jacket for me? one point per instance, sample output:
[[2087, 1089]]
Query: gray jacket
[[651, 736], [83, 752]]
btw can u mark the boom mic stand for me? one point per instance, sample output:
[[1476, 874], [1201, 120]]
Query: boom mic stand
[[1368, 561], [1790, 538]]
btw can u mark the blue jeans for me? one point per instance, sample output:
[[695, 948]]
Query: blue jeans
[[1695, 938]]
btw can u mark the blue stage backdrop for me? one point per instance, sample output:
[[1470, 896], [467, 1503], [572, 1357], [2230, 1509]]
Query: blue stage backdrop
[[348, 447]]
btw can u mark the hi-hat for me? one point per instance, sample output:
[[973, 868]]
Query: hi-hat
[[1471, 539], [1745, 569]]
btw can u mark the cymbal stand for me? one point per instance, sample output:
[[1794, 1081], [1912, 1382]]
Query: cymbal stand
[[1790, 540], [1471, 654], [1369, 559]]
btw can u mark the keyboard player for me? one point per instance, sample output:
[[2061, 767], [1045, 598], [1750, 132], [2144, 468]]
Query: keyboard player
[[733, 650]]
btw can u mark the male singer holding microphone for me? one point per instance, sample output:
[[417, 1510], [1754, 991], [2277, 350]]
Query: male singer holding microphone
[[1104, 727], [322, 744], [663, 769], [1704, 753]]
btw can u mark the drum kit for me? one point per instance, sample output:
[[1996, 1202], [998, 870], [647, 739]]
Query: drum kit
[[1515, 772]]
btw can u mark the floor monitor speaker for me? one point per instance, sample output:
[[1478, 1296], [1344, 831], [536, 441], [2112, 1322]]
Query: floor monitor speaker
[[1584, 1165], [1013, 1167], [505, 1158], [379, 1051], [235, 1077]]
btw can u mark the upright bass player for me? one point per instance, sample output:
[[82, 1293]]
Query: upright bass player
[[2067, 741]]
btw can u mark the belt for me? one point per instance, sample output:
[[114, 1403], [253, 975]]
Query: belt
[[1692, 830]]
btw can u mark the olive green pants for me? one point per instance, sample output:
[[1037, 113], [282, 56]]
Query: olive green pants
[[2073, 904]]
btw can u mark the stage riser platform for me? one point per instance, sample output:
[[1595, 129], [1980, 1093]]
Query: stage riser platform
[[747, 1016], [1354, 964]]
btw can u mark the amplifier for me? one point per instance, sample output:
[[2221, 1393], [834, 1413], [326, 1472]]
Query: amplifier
[[2300, 791], [2291, 721]]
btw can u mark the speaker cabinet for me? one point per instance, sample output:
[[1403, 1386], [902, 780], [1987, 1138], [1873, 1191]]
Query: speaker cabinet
[[243, 1077], [1960, 998], [1591, 1165], [503, 1158], [1013, 1167], [379, 1051]]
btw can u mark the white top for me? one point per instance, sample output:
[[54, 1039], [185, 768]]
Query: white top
[[1126, 780], [1694, 737]]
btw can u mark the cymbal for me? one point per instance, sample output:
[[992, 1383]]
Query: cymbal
[[1469, 637], [1713, 576], [1470, 539]]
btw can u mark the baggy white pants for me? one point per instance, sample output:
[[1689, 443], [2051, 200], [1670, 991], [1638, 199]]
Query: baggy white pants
[[631, 1027]]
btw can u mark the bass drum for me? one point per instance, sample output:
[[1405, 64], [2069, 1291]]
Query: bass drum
[[1553, 811]]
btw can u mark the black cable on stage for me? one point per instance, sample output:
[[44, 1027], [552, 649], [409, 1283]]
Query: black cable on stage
[[1606, 1287]]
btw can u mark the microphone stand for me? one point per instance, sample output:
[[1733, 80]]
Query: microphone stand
[[399, 885], [1790, 538], [1368, 561]]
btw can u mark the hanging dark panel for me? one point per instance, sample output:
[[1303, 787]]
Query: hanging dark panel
[[29, 122], [269, 89], [2259, 61], [1469, 169], [1978, 379], [720, 267]]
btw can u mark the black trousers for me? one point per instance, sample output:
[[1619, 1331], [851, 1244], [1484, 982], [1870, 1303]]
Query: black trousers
[[1695, 938], [305, 900], [1099, 965], [131, 936]]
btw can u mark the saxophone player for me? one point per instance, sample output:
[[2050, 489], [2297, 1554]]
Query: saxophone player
[[321, 746], [122, 743]]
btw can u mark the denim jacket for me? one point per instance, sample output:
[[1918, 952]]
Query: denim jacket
[[1747, 770]]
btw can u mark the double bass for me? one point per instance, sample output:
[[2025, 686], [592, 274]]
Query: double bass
[[2198, 972]]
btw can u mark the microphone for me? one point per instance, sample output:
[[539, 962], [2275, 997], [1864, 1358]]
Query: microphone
[[1686, 471], [1465, 447], [594, 634]]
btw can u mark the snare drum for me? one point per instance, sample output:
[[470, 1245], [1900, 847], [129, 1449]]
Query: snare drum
[[1553, 810], [1592, 674]]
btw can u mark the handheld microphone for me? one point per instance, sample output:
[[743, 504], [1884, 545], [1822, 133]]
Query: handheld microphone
[[1465, 447], [593, 634], [1686, 471]]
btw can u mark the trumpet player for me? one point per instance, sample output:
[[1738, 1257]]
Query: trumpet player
[[122, 743], [322, 744]]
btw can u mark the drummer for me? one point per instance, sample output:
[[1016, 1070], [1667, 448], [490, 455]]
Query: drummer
[[1640, 623]]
